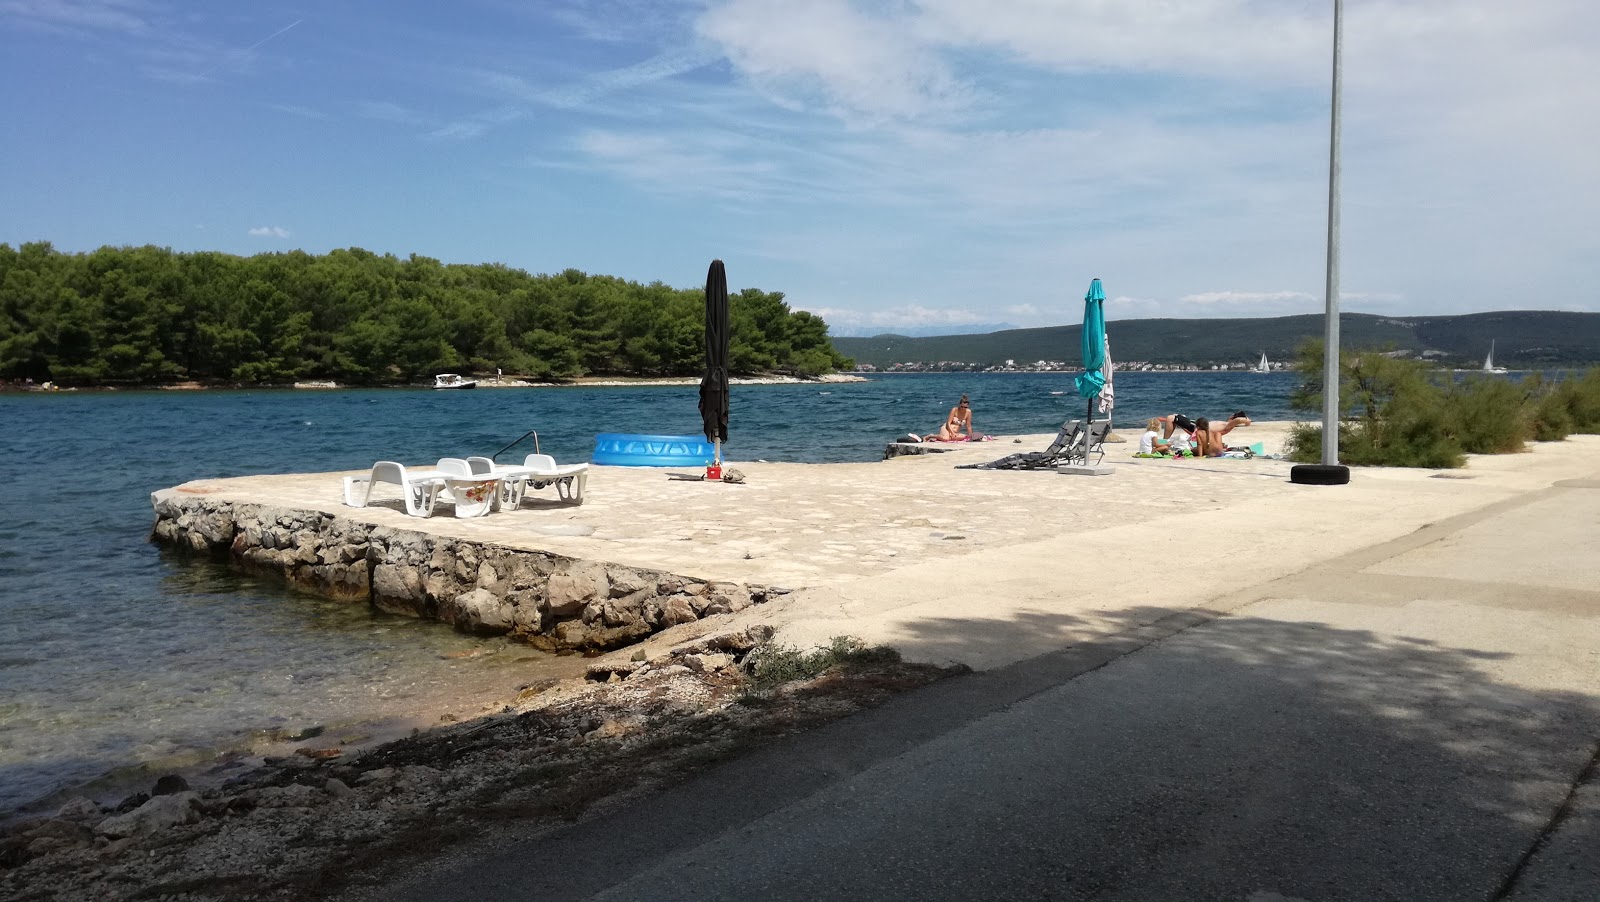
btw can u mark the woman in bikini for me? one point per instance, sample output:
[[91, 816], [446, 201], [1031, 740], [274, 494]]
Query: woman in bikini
[[959, 421]]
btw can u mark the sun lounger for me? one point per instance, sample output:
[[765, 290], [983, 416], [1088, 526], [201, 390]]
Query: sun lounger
[[419, 488], [536, 471], [1057, 453]]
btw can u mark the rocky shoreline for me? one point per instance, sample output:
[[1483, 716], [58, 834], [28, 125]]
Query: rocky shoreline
[[311, 824], [552, 602]]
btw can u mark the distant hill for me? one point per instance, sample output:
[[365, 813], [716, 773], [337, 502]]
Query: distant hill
[[1523, 339]]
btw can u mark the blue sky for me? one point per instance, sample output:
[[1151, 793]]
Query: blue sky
[[890, 165]]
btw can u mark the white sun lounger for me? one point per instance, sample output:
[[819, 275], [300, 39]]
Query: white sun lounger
[[419, 488], [536, 471]]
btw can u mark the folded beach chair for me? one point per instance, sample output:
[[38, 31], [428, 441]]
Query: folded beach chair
[[1058, 453], [419, 488], [1091, 441]]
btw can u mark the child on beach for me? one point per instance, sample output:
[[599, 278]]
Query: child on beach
[[1151, 443]]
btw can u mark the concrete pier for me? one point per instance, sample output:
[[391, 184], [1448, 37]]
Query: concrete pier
[[880, 550]]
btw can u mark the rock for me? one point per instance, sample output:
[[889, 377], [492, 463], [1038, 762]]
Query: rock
[[155, 815], [706, 663], [131, 802], [615, 728], [639, 655], [627, 582], [677, 610], [487, 576], [169, 784], [339, 789], [81, 810], [617, 637], [600, 672], [575, 586], [482, 611], [379, 775], [571, 633], [318, 754], [295, 795], [397, 583]]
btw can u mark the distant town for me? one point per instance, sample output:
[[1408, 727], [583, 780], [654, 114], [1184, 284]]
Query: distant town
[[1057, 366]]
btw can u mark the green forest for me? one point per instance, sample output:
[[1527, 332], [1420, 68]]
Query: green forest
[[149, 315]]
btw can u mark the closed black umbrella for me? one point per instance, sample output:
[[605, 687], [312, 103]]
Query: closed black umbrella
[[714, 385]]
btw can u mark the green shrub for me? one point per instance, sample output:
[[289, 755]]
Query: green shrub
[[1582, 397], [1395, 412], [1558, 409], [771, 665], [1487, 415], [1549, 420]]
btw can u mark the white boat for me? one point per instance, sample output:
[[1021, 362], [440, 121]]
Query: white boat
[[1262, 367], [1488, 362], [451, 380]]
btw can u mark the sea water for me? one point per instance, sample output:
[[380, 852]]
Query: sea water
[[114, 652]]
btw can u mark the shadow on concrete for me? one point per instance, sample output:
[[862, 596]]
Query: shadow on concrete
[[1184, 757]]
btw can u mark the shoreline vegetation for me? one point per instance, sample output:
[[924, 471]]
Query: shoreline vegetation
[[483, 382], [146, 316], [327, 817], [1397, 412]]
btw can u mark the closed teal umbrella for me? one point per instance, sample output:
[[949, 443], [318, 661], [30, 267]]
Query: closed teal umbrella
[[1093, 379]]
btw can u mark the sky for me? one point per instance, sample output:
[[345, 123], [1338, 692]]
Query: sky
[[892, 165]]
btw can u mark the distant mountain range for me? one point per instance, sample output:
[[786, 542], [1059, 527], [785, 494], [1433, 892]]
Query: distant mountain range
[[922, 331], [1523, 339]]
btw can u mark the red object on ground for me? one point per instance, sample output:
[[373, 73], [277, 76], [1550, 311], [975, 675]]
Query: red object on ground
[[714, 472]]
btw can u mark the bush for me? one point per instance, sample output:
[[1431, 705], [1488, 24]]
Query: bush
[[1396, 412], [1487, 415], [771, 665], [1558, 409]]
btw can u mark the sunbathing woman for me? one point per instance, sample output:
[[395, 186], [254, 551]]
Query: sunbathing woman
[[959, 420], [1209, 437]]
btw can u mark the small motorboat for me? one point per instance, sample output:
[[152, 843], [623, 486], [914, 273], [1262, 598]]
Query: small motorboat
[[453, 380]]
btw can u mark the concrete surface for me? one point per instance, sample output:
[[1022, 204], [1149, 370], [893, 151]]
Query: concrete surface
[[1412, 719], [1196, 681]]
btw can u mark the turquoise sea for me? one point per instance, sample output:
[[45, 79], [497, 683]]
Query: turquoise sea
[[114, 652]]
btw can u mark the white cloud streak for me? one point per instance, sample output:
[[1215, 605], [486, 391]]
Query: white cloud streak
[[270, 232]]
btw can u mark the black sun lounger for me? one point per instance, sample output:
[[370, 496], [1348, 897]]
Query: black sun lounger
[[1073, 444]]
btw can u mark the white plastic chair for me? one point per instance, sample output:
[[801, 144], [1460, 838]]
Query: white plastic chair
[[569, 479], [536, 471], [419, 488], [474, 494]]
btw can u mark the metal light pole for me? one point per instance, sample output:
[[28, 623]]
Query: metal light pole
[[1330, 350], [1330, 472]]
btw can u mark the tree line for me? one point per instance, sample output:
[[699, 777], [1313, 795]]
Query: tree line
[[148, 315]]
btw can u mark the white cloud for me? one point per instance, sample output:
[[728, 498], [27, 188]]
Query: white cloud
[[1245, 297], [876, 66], [270, 232], [128, 16], [905, 315], [385, 111], [301, 111]]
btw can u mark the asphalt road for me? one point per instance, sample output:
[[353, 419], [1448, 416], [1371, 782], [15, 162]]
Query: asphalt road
[[1415, 721]]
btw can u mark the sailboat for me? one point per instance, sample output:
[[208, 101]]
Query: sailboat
[[1488, 362], [1262, 367]]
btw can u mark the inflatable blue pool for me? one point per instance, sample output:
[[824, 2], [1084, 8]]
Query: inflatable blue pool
[[622, 449]]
